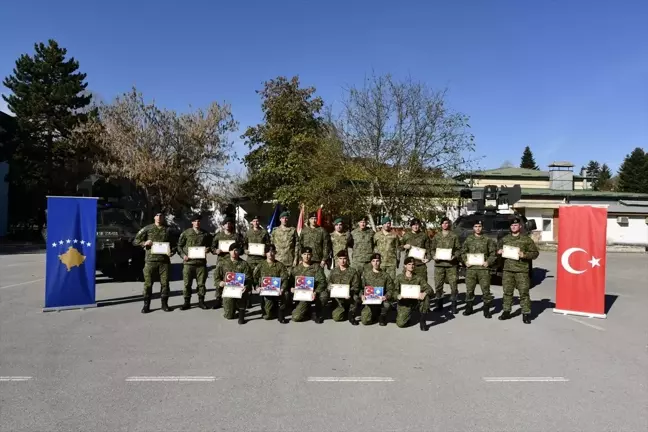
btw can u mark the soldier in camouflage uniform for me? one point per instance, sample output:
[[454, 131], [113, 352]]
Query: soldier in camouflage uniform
[[388, 246], [270, 267], [377, 277], [154, 263], [194, 268], [479, 244], [233, 264], [316, 238], [227, 233], [256, 234], [405, 305], [446, 271], [285, 239], [419, 239], [516, 272], [340, 240], [307, 268], [343, 274], [362, 243]]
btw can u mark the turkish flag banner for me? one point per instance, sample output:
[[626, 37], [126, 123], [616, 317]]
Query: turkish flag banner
[[580, 285]]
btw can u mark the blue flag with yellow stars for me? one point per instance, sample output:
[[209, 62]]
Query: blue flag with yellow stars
[[70, 256]]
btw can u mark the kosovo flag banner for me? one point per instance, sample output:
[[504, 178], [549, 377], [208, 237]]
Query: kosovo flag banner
[[70, 256]]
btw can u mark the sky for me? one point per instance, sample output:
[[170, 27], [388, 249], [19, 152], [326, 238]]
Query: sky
[[569, 78]]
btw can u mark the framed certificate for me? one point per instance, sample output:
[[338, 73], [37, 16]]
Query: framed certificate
[[443, 255], [270, 286], [231, 291], [373, 295], [224, 245], [410, 291], [197, 252], [160, 248], [475, 259], [304, 295], [417, 252], [511, 252], [339, 291], [257, 249]]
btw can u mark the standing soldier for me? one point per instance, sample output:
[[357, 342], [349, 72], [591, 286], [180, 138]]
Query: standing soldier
[[256, 234], [516, 271], [226, 234], [233, 264], [377, 277], [445, 271], [405, 305], [308, 268], [156, 264], [194, 268], [270, 267], [388, 246], [285, 240], [419, 239], [340, 240], [316, 238], [479, 244], [362, 243], [342, 274]]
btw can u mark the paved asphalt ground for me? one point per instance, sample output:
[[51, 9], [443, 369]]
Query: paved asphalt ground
[[84, 369]]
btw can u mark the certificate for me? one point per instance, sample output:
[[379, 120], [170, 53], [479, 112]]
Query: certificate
[[304, 295], [197, 252], [410, 291], [373, 295], [257, 249], [475, 259], [417, 252], [160, 248], [339, 291], [443, 255], [270, 286], [224, 245], [232, 291], [511, 252]]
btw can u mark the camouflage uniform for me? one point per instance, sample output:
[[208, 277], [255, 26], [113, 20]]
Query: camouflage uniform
[[479, 245], [222, 235], [405, 306], [317, 239], [285, 239], [362, 242], [230, 305], [516, 273], [380, 279], [194, 268], [388, 246], [281, 302], [321, 292], [339, 241], [156, 264], [346, 309], [446, 271], [420, 240], [255, 236]]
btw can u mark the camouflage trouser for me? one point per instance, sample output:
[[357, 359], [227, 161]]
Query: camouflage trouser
[[272, 303], [406, 306], [521, 281], [360, 266], [343, 307], [191, 272], [230, 305], [162, 269], [300, 313], [390, 270], [421, 270], [370, 312], [483, 277], [445, 275]]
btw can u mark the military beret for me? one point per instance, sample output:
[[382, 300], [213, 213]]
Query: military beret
[[270, 247], [307, 249], [445, 219], [255, 217], [233, 246], [312, 215], [515, 220], [228, 219], [343, 254], [408, 260], [195, 216], [337, 221], [415, 221], [478, 222], [386, 219], [364, 218], [284, 214], [376, 256]]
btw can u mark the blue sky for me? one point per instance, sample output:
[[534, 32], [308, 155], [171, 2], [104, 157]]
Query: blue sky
[[567, 77]]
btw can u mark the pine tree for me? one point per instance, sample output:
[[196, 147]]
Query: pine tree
[[527, 160], [633, 173], [604, 179]]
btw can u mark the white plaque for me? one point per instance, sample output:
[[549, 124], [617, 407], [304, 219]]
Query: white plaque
[[160, 248], [417, 252], [339, 291], [443, 255], [257, 249], [197, 252], [476, 259], [230, 291], [511, 252], [372, 301], [224, 245], [410, 291], [304, 295], [269, 292]]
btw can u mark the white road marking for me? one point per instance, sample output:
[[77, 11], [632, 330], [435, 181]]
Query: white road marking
[[525, 379], [22, 283], [586, 323], [28, 263], [350, 379], [172, 379], [15, 378]]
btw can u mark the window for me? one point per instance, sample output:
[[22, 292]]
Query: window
[[546, 224]]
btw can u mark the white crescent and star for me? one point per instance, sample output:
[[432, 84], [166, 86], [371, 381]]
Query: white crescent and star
[[564, 260]]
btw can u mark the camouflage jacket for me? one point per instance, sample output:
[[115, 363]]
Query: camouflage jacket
[[255, 236], [401, 279], [420, 240], [526, 245], [313, 270], [222, 235], [226, 265], [380, 279], [285, 240], [339, 241], [276, 269], [479, 245], [190, 238], [449, 241], [388, 246], [362, 242], [349, 277], [317, 239], [155, 234]]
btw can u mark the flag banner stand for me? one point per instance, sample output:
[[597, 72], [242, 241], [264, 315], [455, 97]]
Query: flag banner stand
[[582, 259], [70, 255]]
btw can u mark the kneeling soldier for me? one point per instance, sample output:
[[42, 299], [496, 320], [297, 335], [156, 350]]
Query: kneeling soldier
[[233, 264], [405, 305], [343, 274], [481, 245], [194, 268], [275, 269], [321, 296], [377, 277]]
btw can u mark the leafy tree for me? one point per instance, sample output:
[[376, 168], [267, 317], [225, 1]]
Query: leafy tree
[[527, 159], [633, 173]]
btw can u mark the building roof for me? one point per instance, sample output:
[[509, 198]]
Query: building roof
[[584, 194], [512, 173]]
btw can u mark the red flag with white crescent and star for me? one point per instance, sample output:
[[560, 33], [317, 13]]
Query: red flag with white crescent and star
[[582, 238]]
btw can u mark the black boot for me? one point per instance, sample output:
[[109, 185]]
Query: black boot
[[439, 305], [317, 314], [186, 305], [505, 315], [352, 318], [469, 309], [218, 303], [241, 316], [281, 316], [454, 307], [147, 306], [201, 302], [165, 305], [422, 323], [382, 320], [487, 311], [526, 318]]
